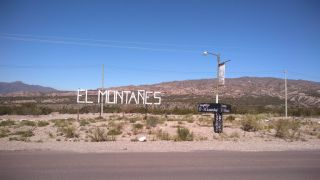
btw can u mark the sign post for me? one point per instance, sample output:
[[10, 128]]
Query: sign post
[[218, 110]]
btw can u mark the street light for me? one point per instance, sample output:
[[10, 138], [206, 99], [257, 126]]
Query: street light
[[206, 53]]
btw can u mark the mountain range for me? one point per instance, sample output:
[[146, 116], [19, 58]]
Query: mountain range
[[19, 88], [300, 92]]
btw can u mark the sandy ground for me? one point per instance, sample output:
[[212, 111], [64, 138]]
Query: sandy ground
[[160, 146], [245, 141]]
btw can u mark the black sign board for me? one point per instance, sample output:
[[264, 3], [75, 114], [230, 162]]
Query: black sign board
[[217, 123], [214, 107]]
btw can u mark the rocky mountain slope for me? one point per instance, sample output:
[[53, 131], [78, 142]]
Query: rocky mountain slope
[[300, 92], [253, 91], [20, 88]]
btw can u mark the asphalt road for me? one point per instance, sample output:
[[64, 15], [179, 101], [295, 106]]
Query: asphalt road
[[188, 165]]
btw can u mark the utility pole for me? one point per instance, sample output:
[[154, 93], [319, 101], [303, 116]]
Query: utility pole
[[102, 84], [286, 93]]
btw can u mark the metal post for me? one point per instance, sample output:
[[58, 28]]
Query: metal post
[[286, 93], [102, 84], [217, 92], [78, 116]]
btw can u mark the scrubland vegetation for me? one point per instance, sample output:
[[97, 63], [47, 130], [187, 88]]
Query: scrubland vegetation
[[129, 127]]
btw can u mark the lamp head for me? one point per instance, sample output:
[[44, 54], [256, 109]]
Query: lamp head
[[205, 53]]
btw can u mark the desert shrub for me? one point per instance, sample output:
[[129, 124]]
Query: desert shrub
[[50, 135], [27, 123], [42, 123], [152, 122], [115, 128], [205, 121], [26, 133], [27, 109], [15, 138], [287, 129], [234, 135], [68, 131], [135, 139], [162, 135], [189, 118], [98, 135], [84, 122], [5, 110], [138, 126], [133, 120], [7, 123], [4, 132], [230, 118], [114, 132], [251, 123], [183, 134], [183, 111], [62, 122]]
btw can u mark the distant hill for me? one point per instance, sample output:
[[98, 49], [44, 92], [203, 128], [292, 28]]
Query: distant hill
[[20, 88], [269, 90], [241, 92]]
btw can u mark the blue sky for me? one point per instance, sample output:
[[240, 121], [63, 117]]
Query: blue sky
[[62, 44]]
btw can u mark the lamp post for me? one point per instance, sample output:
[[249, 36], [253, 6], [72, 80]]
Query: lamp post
[[206, 53]]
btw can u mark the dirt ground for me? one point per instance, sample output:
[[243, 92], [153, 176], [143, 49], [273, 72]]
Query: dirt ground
[[122, 132]]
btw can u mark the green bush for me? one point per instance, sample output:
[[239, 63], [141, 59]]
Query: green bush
[[4, 132], [27, 123], [62, 122], [7, 123], [43, 123], [84, 122], [25, 109], [183, 134]]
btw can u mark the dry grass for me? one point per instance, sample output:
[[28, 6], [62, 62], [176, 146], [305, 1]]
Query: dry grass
[[42, 123], [251, 123], [163, 135], [184, 134], [7, 123], [98, 135], [287, 129], [161, 127], [69, 131], [4, 132], [28, 123]]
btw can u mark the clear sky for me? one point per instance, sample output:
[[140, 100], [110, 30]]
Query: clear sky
[[62, 44]]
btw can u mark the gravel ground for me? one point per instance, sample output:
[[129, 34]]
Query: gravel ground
[[244, 141], [161, 146]]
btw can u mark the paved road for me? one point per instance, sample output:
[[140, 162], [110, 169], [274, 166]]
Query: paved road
[[191, 165]]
